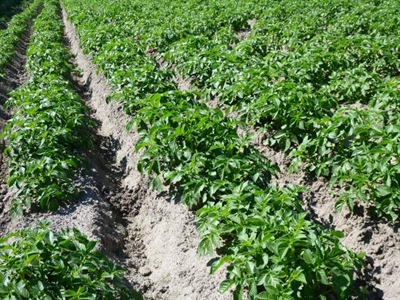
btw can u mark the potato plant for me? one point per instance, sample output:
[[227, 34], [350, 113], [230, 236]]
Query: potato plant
[[13, 33], [271, 248], [39, 263], [298, 65], [49, 123]]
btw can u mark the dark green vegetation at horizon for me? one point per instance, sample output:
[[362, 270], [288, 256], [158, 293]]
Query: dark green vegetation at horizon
[[10, 37], [9, 8]]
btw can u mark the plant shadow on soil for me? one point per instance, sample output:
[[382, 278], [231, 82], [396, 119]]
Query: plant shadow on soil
[[368, 224]]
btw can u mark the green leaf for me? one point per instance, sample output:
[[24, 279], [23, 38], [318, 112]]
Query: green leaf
[[255, 221], [218, 263], [308, 257], [225, 285], [270, 293], [337, 233], [51, 238], [156, 184], [298, 275], [250, 266], [205, 247], [21, 290], [383, 190], [322, 277], [238, 292], [12, 180]]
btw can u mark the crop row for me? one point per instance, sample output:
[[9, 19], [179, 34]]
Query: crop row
[[309, 84], [303, 74], [10, 36], [48, 124], [48, 127], [38, 263], [273, 251]]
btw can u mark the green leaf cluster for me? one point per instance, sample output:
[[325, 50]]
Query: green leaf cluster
[[272, 250], [13, 33], [299, 65], [49, 123], [38, 263], [196, 150]]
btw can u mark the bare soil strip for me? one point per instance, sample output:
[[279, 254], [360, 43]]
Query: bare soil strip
[[160, 240]]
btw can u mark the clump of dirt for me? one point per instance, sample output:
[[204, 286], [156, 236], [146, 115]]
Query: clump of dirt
[[161, 240], [244, 34]]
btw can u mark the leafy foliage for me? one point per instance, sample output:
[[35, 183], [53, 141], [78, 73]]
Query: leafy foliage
[[261, 232], [299, 65], [272, 249], [49, 122], [38, 263], [12, 34]]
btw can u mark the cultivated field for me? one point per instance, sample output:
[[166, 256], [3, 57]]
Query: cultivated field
[[211, 149]]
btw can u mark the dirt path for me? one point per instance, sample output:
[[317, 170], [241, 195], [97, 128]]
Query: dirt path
[[160, 239]]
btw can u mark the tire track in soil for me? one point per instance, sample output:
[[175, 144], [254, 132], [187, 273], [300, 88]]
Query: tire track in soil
[[159, 238]]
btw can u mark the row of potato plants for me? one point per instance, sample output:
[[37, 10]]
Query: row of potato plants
[[272, 249], [309, 82], [304, 74], [49, 123], [311, 89], [10, 36], [48, 127], [40, 263]]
